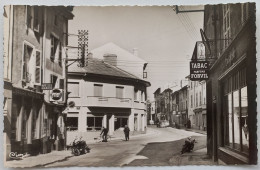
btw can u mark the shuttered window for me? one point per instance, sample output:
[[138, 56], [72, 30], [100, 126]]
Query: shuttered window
[[98, 90], [38, 67], [119, 92]]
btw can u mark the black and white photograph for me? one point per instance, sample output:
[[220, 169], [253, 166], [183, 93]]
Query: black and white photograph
[[129, 86]]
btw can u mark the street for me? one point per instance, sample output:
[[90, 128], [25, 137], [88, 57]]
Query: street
[[152, 149]]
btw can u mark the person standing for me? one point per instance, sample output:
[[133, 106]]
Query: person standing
[[104, 134], [126, 131]]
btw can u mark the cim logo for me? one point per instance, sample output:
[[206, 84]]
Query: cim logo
[[56, 95]]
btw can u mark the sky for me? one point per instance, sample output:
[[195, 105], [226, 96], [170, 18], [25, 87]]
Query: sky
[[164, 39]]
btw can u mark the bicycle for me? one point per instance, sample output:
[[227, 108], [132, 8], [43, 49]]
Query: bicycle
[[100, 139]]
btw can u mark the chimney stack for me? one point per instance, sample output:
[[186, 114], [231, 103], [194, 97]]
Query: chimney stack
[[135, 52], [111, 59]]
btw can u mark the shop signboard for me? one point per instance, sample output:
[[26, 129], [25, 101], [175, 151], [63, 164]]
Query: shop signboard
[[56, 95], [199, 70]]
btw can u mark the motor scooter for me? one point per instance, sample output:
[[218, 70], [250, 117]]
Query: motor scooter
[[79, 147], [188, 146]]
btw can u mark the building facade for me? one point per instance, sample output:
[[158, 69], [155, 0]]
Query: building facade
[[35, 41], [197, 112], [231, 88], [103, 95], [183, 106]]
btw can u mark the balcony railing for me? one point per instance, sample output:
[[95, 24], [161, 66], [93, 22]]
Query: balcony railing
[[95, 101]]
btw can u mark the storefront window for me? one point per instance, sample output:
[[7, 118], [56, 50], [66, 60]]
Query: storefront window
[[244, 116], [235, 112], [94, 123]]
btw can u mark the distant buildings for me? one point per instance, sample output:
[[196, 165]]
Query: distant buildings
[[34, 41], [103, 95]]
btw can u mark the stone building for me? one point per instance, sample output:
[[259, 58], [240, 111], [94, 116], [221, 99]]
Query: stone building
[[231, 89], [34, 55]]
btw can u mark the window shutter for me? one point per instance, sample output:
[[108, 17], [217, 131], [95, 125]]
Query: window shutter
[[38, 68]]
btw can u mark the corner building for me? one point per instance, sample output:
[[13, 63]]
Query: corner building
[[101, 94], [231, 88]]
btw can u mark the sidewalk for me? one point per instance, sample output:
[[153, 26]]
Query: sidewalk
[[197, 157], [197, 131], [39, 160]]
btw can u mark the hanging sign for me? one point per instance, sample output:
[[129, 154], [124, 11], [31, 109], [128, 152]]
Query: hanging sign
[[199, 70], [56, 95]]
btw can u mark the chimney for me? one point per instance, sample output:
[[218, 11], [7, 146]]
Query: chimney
[[111, 59], [135, 52]]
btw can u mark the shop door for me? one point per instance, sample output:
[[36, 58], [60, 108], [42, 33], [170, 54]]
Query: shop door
[[135, 122]]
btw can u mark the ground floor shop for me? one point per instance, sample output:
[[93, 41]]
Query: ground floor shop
[[231, 107], [36, 126], [87, 122]]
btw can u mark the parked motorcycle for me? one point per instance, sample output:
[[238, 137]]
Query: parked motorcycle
[[188, 146], [79, 147]]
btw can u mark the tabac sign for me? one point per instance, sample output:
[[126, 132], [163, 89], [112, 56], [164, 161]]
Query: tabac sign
[[199, 66], [199, 70]]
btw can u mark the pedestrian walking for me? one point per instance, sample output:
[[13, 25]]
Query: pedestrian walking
[[104, 134], [126, 131]]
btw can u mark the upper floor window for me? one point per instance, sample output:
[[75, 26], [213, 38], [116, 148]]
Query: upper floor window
[[196, 99], [98, 90], [244, 11], [226, 25], [191, 101], [32, 17], [135, 94], [73, 89], [27, 58], [60, 55], [38, 67], [119, 92], [54, 80], [200, 99], [54, 45], [56, 20]]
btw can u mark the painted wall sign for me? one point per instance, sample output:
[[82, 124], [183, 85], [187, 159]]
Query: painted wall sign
[[46, 86], [199, 70]]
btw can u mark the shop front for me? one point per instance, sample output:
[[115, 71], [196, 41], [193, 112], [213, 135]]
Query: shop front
[[25, 123]]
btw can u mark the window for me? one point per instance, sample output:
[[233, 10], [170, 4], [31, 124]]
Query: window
[[94, 123], [191, 101], [38, 67], [27, 56], [61, 83], [136, 94], [54, 45], [98, 90], [29, 16], [36, 24], [56, 20], [226, 25], [200, 99], [73, 89], [72, 123], [244, 11], [196, 100], [119, 92], [236, 112], [60, 55], [54, 80]]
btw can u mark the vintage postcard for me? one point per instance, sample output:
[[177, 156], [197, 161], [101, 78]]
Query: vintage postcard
[[113, 86]]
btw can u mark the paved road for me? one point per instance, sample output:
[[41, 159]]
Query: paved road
[[153, 149]]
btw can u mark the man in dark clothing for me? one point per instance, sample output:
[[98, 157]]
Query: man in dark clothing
[[126, 131], [104, 134]]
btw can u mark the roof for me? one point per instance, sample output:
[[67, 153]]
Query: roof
[[101, 68]]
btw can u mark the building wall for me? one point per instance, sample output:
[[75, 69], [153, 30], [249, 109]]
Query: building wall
[[108, 107], [240, 53]]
